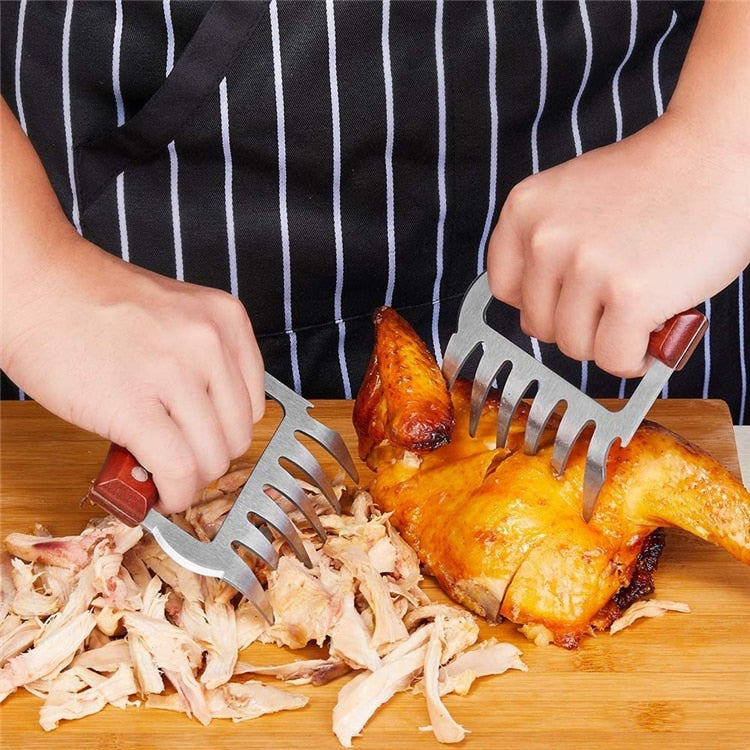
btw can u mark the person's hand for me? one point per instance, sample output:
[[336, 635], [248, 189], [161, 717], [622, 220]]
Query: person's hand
[[169, 370], [599, 251]]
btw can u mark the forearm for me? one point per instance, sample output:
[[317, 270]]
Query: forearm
[[34, 232], [713, 90]]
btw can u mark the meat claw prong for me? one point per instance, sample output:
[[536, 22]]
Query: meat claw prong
[[262, 508], [244, 580], [306, 462], [297, 419], [333, 443], [568, 431], [485, 374], [514, 390], [542, 408], [596, 469], [456, 354], [284, 483]]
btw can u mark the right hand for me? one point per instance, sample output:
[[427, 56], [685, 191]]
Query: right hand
[[169, 370]]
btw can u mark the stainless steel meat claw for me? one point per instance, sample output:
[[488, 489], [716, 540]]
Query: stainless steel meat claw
[[125, 489], [669, 347]]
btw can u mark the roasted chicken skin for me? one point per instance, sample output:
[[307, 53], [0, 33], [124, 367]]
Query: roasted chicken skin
[[501, 533]]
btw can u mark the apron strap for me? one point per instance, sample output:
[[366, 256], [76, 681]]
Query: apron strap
[[220, 37]]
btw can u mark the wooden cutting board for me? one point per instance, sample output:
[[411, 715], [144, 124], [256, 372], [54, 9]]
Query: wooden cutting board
[[682, 680]]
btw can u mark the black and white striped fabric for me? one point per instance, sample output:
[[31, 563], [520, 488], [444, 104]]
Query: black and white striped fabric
[[322, 159]]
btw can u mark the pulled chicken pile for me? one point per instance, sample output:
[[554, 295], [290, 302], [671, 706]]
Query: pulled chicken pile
[[105, 617]]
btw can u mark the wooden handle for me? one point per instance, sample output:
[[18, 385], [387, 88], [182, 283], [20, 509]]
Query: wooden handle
[[124, 488], [677, 339]]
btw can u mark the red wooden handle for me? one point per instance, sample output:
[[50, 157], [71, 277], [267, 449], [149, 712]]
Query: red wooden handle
[[124, 488], [676, 340]]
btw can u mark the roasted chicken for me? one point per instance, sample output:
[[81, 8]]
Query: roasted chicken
[[501, 533]]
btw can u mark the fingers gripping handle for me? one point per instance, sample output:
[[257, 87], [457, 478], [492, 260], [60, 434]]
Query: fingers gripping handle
[[124, 488], [677, 339]]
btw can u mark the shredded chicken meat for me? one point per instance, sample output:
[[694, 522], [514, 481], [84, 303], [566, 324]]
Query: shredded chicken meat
[[106, 618]]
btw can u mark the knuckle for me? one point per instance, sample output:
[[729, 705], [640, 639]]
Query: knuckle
[[536, 328], [522, 196], [587, 261], [230, 309], [625, 292], [205, 335], [541, 239], [549, 245], [220, 324]]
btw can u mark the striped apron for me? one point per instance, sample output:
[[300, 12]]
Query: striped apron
[[320, 159]]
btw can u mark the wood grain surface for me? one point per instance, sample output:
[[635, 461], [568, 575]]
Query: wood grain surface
[[682, 680]]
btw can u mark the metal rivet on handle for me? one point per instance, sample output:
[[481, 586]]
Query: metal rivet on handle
[[139, 474]]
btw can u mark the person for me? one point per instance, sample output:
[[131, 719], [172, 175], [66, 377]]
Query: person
[[193, 192]]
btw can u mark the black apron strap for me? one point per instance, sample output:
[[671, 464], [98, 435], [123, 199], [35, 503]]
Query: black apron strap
[[221, 36]]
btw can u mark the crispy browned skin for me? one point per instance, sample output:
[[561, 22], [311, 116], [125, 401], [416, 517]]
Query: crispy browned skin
[[501, 533], [403, 398]]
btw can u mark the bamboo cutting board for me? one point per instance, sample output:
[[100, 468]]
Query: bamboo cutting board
[[682, 680]]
